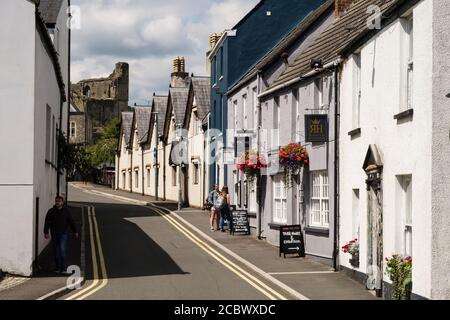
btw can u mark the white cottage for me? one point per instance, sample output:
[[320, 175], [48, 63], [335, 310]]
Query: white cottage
[[33, 95], [394, 180]]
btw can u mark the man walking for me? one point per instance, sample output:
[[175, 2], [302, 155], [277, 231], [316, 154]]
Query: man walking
[[215, 213], [57, 221]]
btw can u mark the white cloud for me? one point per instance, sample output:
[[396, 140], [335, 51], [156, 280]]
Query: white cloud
[[148, 35]]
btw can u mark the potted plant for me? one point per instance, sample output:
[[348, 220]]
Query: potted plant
[[292, 158], [250, 163], [352, 247], [399, 269]]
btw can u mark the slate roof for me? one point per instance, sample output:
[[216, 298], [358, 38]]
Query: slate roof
[[338, 37], [160, 106], [202, 93], [284, 44], [49, 10], [179, 99], [127, 122], [142, 118]]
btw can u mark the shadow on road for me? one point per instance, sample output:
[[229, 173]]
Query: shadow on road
[[129, 252]]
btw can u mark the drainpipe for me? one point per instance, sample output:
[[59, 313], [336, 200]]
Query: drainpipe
[[68, 98], [164, 170], [336, 169], [131, 173], [142, 171], [58, 163], [259, 190]]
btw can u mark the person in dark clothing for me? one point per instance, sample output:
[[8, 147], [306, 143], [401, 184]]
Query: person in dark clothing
[[58, 220]]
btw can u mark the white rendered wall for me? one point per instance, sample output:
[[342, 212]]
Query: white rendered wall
[[405, 146]]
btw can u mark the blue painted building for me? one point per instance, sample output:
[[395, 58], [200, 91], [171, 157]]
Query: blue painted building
[[239, 49]]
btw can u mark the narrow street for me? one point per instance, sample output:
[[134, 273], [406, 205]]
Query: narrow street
[[148, 256]]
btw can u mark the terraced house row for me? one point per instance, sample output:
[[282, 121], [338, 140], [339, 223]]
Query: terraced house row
[[151, 135], [362, 86]]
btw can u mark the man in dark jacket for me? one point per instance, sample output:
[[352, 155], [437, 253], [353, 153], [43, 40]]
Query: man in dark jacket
[[58, 221]]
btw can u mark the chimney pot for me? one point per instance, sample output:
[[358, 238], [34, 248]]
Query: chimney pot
[[341, 6]]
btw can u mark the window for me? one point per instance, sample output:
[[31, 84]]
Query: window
[[252, 198], [356, 90], [214, 71], [73, 129], [244, 111], [355, 213], [320, 203], [48, 133], [55, 149], [298, 130], [136, 179], [407, 63], [174, 176], [148, 178], [124, 182], [235, 113], [319, 86], [279, 201], [196, 124], [404, 208], [255, 109], [196, 173], [221, 61], [52, 141], [276, 123]]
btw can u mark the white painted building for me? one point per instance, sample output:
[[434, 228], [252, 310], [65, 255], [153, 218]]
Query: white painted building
[[33, 110], [393, 133]]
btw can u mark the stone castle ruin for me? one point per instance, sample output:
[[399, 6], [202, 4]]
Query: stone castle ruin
[[95, 102]]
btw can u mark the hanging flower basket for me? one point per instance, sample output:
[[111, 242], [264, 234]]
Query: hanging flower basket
[[292, 158], [250, 163]]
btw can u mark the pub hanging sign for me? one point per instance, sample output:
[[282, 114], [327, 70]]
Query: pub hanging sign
[[316, 129]]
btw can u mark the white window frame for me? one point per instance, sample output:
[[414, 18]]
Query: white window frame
[[244, 111], [319, 216], [407, 67], [255, 108], [235, 114], [279, 201], [73, 129], [252, 205], [407, 203], [357, 90], [296, 96], [196, 173], [174, 176]]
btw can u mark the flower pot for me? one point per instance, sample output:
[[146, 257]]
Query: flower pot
[[354, 261]]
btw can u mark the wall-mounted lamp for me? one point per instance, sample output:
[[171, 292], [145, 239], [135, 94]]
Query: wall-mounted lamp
[[316, 64], [448, 95]]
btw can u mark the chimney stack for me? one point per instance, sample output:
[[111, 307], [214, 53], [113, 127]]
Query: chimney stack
[[213, 39], [341, 6], [179, 73]]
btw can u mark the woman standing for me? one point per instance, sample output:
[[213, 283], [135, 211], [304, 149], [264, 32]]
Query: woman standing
[[225, 212]]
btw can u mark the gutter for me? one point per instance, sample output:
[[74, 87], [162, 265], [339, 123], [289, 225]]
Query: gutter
[[279, 87]]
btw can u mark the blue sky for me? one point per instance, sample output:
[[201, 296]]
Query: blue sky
[[148, 34]]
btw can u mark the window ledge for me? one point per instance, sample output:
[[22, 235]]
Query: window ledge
[[354, 132], [404, 114], [252, 214], [276, 226], [317, 230]]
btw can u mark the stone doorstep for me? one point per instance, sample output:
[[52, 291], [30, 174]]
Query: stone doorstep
[[8, 281]]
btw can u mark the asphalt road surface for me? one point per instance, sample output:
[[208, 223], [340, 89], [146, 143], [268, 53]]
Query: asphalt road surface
[[140, 253]]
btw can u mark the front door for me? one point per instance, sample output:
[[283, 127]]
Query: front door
[[375, 238], [373, 167]]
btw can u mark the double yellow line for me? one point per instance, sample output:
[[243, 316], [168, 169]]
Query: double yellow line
[[98, 265], [253, 281]]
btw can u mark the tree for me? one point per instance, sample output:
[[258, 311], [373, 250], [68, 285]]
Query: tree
[[104, 151], [73, 158]]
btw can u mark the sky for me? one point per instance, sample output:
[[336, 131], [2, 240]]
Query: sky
[[148, 34]]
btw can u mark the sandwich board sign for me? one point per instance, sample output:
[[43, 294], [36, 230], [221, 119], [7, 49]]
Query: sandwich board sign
[[291, 240]]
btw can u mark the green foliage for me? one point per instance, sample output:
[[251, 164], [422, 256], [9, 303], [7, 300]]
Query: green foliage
[[104, 151], [400, 271], [73, 158]]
